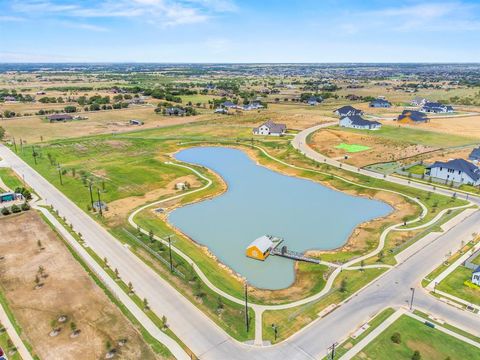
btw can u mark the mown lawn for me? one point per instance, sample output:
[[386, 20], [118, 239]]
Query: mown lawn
[[454, 284], [431, 343]]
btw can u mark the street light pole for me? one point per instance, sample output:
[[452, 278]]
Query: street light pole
[[60, 174], [413, 295], [332, 350], [99, 203], [91, 195], [247, 320], [170, 251]]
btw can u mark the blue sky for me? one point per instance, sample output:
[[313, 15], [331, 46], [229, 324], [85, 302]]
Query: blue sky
[[239, 31]]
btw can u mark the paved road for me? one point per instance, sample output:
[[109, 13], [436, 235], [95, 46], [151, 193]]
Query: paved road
[[208, 341], [300, 143]]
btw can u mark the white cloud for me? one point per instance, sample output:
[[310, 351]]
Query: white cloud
[[4, 18], [159, 12]]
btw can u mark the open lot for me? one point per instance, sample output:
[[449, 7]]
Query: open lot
[[416, 336], [67, 290]]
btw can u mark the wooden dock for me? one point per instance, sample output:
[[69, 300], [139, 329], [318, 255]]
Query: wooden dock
[[284, 252]]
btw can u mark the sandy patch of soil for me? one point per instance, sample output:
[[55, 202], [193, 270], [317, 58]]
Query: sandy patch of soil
[[67, 290], [465, 126], [119, 210], [382, 150]]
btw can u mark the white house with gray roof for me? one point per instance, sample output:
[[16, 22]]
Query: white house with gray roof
[[458, 170], [357, 122], [270, 128], [476, 276]]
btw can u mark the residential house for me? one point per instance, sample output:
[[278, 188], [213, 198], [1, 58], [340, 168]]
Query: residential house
[[435, 107], [270, 128], [380, 103], [175, 111], [59, 117], [260, 248], [314, 100], [457, 170], [412, 117], [418, 101], [221, 111], [476, 276], [357, 122], [9, 98], [348, 111], [255, 105], [474, 155], [229, 105]]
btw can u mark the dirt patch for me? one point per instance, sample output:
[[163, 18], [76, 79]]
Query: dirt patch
[[381, 150], [67, 290], [465, 126], [119, 210]]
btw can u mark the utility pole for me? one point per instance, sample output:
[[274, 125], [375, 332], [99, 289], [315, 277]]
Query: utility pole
[[332, 350], [21, 145], [90, 190], [247, 320], [413, 295], [34, 154], [169, 237], [99, 203], [60, 174]]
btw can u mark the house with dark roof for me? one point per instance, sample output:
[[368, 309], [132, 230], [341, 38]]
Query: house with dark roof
[[418, 101], [412, 117], [254, 105], [380, 103], [229, 105], [59, 117], [357, 122], [435, 107], [476, 276], [314, 100], [474, 155], [175, 111], [270, 128], [348, 110], [458, 170]]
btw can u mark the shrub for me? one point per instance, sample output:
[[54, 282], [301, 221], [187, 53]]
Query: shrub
[[396, 338], [15, 209], [25, 206], [416, 355], [5, 211]]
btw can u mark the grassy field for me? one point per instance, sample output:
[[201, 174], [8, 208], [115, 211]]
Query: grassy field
[[454, 284], [10, 178], [431, 343], [416, 169], [352, 148]]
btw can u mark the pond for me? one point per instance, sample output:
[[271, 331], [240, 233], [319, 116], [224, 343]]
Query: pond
[[260, 201]]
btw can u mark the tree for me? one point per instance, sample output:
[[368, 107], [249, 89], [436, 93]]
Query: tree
[[343, 285], [416, 355], [164, 322], [2, 133], [145, 304], [396, 338], [70, 109]]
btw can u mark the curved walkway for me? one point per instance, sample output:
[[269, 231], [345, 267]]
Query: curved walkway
[[260, 308]]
